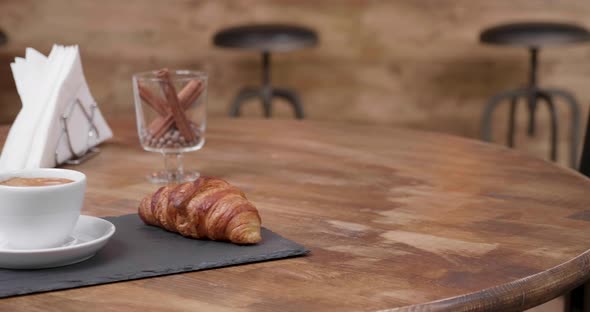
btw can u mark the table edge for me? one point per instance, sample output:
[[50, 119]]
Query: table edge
[[518, 295]]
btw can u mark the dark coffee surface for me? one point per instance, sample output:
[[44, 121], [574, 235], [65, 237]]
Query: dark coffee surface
[[138, 251]]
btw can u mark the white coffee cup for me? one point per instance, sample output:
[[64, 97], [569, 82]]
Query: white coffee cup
[[37, 217]]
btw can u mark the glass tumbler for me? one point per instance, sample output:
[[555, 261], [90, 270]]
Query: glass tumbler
[[171, 112]]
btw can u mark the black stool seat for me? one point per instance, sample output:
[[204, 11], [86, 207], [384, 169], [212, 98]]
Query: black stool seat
[[535, 34], [266, 37]]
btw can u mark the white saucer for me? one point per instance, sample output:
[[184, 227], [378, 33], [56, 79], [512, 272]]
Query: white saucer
[[89, 236]]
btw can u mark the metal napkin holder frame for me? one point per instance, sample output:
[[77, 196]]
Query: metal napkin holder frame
[[88, 152]]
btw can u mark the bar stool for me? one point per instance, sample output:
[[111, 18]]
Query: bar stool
[[3, 38], [266, 38], [577, 302], [534, 36]]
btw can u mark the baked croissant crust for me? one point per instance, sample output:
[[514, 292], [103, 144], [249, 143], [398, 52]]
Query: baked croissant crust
[[208, 207]]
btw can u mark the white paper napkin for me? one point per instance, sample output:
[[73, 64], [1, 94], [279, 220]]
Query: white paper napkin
[[49, 88]]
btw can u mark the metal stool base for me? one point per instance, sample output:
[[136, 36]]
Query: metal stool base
[[533, 95], [266, 93]]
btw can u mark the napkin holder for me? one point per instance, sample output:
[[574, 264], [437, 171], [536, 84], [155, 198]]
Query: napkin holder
[[93, 133], [59, 123]]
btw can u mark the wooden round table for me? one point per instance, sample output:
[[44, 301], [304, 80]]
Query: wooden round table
[[395, 219]]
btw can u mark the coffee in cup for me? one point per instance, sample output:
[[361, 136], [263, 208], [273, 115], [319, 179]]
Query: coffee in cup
[[25, 182], [39, 207]]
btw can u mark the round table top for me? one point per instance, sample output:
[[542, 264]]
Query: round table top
[[395, 219], [266, 37], [535, 34]]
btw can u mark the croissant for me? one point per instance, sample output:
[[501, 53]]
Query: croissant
[[208, 207]]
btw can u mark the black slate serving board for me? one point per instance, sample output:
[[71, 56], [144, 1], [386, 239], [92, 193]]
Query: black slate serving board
[[138, 251]]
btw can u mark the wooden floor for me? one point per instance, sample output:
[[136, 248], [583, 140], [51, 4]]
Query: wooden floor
[[555, 305]]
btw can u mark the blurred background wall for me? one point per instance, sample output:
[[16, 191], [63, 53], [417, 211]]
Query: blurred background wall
[[405, 63]]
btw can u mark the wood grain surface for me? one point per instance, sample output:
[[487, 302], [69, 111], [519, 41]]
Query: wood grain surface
[[407, 63], [395, 219]]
